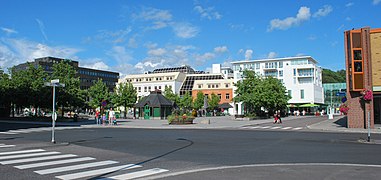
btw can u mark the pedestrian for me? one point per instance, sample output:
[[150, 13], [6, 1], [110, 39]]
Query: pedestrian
[[279, 116], [97, 117], [111, 116], [104, 119], [275, 118]]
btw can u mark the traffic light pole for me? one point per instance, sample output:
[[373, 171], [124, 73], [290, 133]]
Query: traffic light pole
[[54, 112]]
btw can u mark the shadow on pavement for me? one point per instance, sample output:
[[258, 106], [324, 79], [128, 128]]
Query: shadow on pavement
[[342, 121]]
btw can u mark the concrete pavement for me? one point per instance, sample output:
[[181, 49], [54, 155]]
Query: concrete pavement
[[338, 124]]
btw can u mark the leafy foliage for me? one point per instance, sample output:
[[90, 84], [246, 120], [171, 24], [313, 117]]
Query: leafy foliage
[[330, 76], [168, 93], [256, 92], [186, 102], [199, 101], [125, 95], [213, 101], [98, 93]]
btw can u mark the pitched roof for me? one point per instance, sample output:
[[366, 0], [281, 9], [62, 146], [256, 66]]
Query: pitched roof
[[155, 99]]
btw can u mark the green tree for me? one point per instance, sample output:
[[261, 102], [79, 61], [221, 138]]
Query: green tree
[[274, 96], [168, 93], [199, 101], [125, 95], [71, 95], [5, 96], [213, 102], [330, 76], [186, 101], [248, 93], [98, 92]]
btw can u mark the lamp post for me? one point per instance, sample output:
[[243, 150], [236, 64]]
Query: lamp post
[[54, 83]]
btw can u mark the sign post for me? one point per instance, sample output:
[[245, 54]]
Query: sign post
[[54, 83]]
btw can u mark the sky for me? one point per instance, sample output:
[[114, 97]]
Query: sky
[[135, 36]]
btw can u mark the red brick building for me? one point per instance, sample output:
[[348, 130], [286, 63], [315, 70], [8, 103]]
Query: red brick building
[[363, 72]]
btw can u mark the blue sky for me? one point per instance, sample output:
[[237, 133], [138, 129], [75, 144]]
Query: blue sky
[[133, 36]]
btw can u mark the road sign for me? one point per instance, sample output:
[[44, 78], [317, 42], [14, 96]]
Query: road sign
[[104, 103], [341, 94]]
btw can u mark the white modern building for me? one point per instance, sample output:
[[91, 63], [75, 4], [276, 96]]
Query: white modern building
[[300, 75], [226, 71]]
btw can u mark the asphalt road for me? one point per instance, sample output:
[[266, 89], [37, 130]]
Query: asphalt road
[[207, 154]]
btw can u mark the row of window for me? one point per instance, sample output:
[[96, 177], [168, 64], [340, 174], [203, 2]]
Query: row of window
[[168, 78], [84, 80], [227, 96], [274, 65], [300, 62], [301, 93], [213, 86], [304, 72], [149, 88], [98, 74]]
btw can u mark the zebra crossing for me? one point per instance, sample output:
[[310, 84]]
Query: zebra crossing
[[272, 128], [40, 129], [71, 166]]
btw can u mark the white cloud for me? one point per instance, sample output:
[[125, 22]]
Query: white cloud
[[272, 55], [323, 11], [9, 31], [349, 4], [312, 37], [348, 19], [201, 59], [303, 15], [375, 2], [300, 54], [220, 49], [120, 54], [115, 37], [248, 54], [340, 27], [208, 13], [95, 64], [42, 28], [157, 52], [185, 30], [16, 51], [159, 18]]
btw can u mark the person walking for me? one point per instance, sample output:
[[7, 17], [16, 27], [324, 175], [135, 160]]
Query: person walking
[[275, 118], [97, 117], [279, 116], [111, 116]]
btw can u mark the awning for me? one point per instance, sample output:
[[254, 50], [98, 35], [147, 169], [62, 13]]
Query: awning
[[225, 106], [309, 105], [292, 105]]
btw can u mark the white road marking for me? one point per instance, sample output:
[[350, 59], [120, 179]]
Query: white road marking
[[276, 127], [28, 155], [21, 152], [74, 167], [138, 174], [265, 127], [7, 133], [298, 128], [37, 159], [285, 128], [27, 166], [259, 165], [6, 146], [97, 172]]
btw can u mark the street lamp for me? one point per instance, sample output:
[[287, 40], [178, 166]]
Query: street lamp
[[54, 83]]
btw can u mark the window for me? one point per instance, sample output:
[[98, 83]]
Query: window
[[227, 85], [302, 94], [294, 72], [200, 86], [145, 89], [227, 96], [159, 87], [208, 85], [281, 64], [290, 93], [155, 87], [219, 95], [216, 85], [281, 73]]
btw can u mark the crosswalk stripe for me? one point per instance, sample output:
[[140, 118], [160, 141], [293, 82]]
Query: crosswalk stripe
[[74, 167], [255, 127], [27, 166], [21, 152], [275, 127], [138, 174], [285, 128], [28, 155], [265, 127], [298, 128], [37, 159], [97, 172], [5, 146], [7, 133]]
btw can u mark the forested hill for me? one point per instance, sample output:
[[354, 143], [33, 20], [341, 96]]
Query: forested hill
[[330, 76]]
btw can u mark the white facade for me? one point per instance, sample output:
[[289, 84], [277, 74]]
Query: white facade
[[145, 83], [226, 71], [300, 75]]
